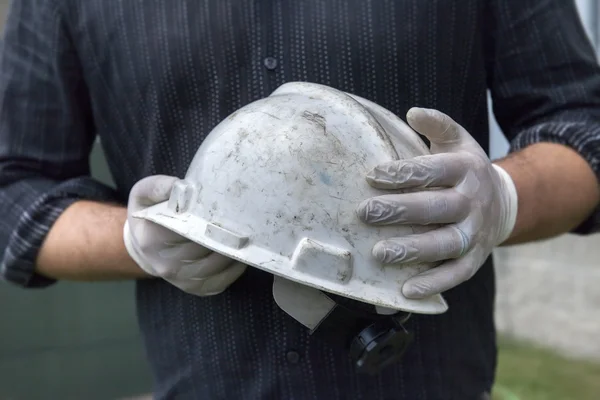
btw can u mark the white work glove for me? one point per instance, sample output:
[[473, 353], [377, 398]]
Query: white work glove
[[474, 200], [167, 255]]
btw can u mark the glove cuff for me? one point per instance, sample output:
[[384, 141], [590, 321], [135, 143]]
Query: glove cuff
[[511, 203], [133, 252]]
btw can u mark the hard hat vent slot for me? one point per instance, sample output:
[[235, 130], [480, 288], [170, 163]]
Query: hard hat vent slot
[[225, 237], [323, 261]]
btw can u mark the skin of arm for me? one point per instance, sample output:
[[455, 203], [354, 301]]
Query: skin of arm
[[86, 244], [557, 190]]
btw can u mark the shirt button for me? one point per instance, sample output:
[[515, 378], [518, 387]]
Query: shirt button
[[270, 63], [292, 357]]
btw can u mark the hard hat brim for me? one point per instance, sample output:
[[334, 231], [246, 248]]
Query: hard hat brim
[[300, 267]]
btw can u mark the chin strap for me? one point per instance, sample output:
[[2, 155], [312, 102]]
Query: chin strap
[[305, 304], [374, 340], [308, 305]]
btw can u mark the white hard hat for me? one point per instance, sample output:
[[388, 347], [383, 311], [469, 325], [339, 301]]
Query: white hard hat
[[276, 185]]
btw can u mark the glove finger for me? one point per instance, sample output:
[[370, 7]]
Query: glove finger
[[446, 169], [150, 191], [443, 277], [443, 132], [423, 208], [436, 245], [205, 267], [219, 283], [184, 250], [153, 236], [162, 249]]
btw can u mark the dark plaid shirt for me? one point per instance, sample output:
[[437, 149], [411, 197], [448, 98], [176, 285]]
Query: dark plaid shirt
[[151, 78]]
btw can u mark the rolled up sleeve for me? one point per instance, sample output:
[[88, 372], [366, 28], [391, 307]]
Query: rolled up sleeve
[[545, 79], [46, 135]]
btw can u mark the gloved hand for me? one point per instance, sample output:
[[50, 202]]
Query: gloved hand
[[474, 200], [165, 254]]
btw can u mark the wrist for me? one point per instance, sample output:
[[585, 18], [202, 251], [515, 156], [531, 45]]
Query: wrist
[[557, 191], [510, 201], [85, 244], [133, 252]]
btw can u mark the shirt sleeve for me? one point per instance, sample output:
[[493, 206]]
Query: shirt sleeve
[[544, 79], [46, 135]]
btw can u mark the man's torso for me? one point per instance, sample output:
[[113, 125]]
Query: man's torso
[[162, 74]]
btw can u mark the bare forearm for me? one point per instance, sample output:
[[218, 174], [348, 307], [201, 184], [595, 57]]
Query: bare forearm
[[557, 191], [86, 244]]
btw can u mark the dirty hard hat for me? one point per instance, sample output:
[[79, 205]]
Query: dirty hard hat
[[276, 185]]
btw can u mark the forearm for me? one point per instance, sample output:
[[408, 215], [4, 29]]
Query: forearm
[[86, 244], [557, 191]]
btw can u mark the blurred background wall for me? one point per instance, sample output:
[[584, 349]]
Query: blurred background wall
[[71, 341], [548, 292], [76, 341]]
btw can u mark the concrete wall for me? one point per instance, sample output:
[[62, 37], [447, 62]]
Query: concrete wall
[[549, 292]]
